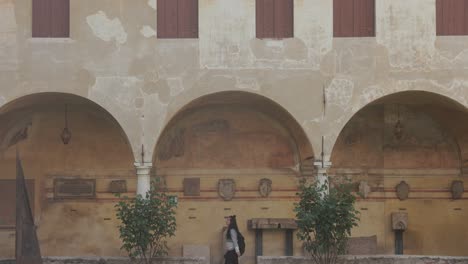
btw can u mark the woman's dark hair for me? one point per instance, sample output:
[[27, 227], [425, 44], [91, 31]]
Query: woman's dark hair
[[232, 225]]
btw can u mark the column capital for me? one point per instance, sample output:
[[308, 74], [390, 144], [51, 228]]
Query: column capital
[[326, 165], [139, 165]]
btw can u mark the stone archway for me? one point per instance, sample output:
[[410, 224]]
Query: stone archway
[[416, 137], [239, 140], [71, 184]]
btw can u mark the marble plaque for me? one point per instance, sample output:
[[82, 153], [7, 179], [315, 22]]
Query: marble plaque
[[74, 188], [118, 186]]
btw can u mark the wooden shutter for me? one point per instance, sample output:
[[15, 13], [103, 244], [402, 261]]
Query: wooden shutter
[[60, 18], [266, 18], [451, 17], [167, 18], [343, 18], [284, 18], [275, 18], [353, 18], [259, 18], [188, 18], [364, 18], [41, 22]]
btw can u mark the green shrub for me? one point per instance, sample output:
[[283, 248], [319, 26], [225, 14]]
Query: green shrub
[[146, 222], [325, 219]]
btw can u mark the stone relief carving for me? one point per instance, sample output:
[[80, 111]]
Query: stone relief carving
[[173, 145], [399, 221], [402, 190], [457, 189], [264, 188], [226, 189], [364, 189]]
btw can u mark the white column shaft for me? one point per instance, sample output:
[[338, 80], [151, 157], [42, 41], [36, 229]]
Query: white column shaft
[[143, 177]]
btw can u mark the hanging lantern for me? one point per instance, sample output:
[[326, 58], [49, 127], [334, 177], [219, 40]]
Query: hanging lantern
[[398, 130], [66, 134]]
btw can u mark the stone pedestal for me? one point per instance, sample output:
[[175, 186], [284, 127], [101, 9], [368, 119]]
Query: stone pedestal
[[143, 171]]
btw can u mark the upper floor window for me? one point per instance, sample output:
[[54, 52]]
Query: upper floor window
[[354, 18], [451, 17], [177, 18], [275, 18], [51, 18]]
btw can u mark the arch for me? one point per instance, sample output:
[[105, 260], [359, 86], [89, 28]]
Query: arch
[[247, 101], [98, 155], [376, 94], [397, 101], [45, 98]]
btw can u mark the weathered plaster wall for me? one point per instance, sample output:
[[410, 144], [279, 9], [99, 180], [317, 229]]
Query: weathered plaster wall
[[114, 59]]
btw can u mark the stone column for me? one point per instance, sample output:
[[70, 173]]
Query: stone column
[[143, 171], [322, 170]]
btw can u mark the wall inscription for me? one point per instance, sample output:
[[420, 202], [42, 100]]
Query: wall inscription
[[74, 188]]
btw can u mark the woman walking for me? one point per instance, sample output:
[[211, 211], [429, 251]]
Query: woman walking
[[231, 246]]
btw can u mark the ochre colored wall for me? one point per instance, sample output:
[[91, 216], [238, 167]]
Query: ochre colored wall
[[98, 150]]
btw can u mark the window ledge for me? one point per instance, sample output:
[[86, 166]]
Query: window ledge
[[51, 40]]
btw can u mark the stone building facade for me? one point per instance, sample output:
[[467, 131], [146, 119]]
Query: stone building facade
[[230, 106]]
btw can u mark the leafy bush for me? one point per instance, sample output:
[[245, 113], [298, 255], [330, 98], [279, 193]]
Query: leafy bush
[[325, 219], [146, 222]]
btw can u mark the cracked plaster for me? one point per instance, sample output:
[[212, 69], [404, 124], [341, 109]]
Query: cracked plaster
[[404, 55]]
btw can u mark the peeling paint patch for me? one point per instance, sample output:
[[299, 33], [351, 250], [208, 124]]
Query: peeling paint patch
[[2, 101], [147, 31], [407, 29], [152, 3], [340, 92], [107, 29], [122, 89]]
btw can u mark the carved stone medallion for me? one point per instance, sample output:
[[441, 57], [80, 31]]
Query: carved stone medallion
[[457, 189], [264, 188], [364, 189], [402, 190], [226, 189]]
